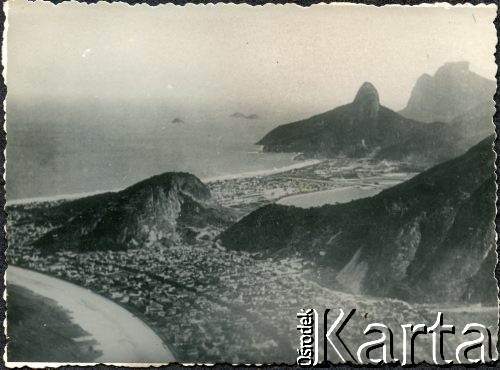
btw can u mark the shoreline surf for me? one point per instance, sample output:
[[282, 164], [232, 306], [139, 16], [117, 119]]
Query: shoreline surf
[[260, 173], [243, 175]]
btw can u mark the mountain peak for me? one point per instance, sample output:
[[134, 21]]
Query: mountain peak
[[166, 208], [172, 181], [450, 93], [452, 68], [367, 101]]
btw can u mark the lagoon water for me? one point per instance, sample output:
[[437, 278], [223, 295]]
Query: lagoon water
[[334, 196]]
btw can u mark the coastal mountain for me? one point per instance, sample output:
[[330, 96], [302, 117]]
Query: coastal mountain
[[460, 134], [450, 93], [403, 242], [363, 127], [167, 208]]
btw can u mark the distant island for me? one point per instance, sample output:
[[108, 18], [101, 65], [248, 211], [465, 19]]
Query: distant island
[[244, 116], [177, 120]]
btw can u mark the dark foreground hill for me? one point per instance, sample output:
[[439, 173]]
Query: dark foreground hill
[[166, 208], [451, 92], [429, 238], [363, 127]]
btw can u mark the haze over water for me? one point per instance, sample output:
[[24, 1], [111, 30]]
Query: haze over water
[[51, 158], [93, 89]]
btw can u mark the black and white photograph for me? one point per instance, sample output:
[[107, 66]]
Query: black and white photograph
[[239, 184]]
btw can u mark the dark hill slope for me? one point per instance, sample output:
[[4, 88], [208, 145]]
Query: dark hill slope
[[358, 129], [435, 228], [168, 208], [464, 130]]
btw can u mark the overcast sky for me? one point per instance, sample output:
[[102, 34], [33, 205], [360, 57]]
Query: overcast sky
[[229, 56]]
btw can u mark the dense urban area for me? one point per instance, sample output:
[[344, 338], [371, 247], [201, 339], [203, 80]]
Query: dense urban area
[[211, 304]]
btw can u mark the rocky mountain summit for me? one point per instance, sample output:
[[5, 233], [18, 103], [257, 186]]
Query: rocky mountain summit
[[447, 113], [367, 103], [404, 242], [363, 127], [450, 93], [167, 208]]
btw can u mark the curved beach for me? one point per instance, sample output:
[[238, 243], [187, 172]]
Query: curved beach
[[206, 180], [121, 336]]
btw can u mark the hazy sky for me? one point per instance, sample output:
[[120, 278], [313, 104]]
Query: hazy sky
[[237, 57]]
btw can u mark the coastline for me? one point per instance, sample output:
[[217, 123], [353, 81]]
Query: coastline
[[260, 173], [150, 341], [243, 175], [54, 198]]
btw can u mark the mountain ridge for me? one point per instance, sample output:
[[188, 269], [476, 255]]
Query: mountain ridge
[[403, 228], [452, 91], [445, 115], [361, 128]]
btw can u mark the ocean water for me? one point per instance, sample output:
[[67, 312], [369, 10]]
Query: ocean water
[[49, 158]]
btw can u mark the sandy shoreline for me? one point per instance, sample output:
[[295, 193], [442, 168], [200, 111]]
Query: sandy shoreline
[[53, 198], [122, 337], [267, 172], [272, 171]]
